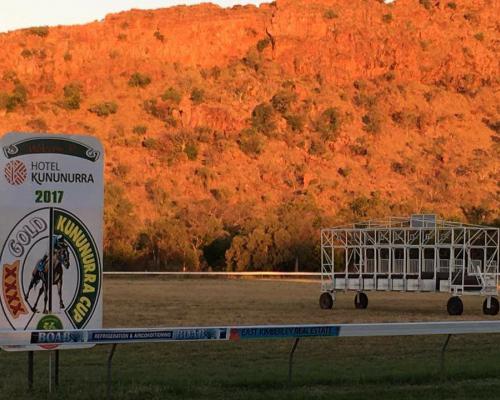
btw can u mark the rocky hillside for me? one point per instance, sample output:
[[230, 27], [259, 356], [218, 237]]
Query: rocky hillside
[[232, 135]]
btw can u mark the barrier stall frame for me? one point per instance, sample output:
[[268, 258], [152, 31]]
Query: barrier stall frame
[[419, 253]]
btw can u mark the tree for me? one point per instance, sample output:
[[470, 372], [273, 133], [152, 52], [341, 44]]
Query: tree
[[278, 241], [167, 245], [120, 224]]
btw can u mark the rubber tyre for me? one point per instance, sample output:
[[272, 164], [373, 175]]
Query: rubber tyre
[[361, 301], [326, 301], [455, 306], [494, 307]]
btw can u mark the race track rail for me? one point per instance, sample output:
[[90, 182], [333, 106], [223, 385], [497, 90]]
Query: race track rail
[[12, 339]]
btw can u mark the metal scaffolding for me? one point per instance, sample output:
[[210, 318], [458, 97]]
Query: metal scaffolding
[[418, 253]]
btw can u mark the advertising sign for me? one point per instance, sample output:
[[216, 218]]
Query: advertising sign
[[51, 217]]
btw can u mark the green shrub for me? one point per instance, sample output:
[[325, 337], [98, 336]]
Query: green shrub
[[191, 151], [4, 100], [68, 56], [344, 172], [403, 168], [330, 14], [405, 119], [359, 84], [158, 35], [317, 148], [26, 53], [205, 134], [171, 95], [151, 107], [122, 37], [360, 206], [19, 97], [251, 142], [372, 122], [150, 143], [10, 76], [359, 148], [139, 80], [328, 124], [197, 95], [252, 59], [476, 214], [427, 4], [493, 125], [281, 101], [121, 170], [472, 17], [263, 118], [37, 124], [389, 76], [295, 122], [41, 31], [170, 121], [424, 44], [20, 94], [72, 97], [387, 18], [479, 36], [452, 5], [363, 99], [262, 44], [104, 109], [140, 129]]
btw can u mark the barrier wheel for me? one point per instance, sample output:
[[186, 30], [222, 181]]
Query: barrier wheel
[[361, 301], [326, 301], [494, 306], [455, 306]]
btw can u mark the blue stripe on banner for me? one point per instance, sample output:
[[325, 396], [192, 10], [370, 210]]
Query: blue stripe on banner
[[123, 336], [158, 335], [284, 332]]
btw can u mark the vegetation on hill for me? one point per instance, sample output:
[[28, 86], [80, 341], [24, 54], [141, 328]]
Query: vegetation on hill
[[233, 135]]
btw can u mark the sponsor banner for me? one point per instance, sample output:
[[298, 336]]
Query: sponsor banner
[[283, 332], [105, 336], [49, 338], [51, 208], [178, 334]]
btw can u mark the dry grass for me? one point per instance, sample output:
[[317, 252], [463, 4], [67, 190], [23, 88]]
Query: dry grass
[[188, 302]]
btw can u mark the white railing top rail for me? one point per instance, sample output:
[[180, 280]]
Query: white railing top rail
[[215, 273], [176, 334]]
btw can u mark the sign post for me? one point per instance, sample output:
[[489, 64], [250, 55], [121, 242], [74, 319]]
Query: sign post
[[51, 208]]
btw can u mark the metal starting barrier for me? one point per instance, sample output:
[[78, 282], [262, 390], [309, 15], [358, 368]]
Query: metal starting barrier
[[49, 340]]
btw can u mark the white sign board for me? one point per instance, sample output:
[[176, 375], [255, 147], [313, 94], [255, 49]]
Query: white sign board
[[51, 216]]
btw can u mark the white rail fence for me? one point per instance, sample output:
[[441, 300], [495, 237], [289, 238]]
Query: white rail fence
[[256, 274], [231, 333], [121, 336]]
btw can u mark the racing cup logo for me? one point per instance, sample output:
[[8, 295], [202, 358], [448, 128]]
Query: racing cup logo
[[50, 272], [15, 172]]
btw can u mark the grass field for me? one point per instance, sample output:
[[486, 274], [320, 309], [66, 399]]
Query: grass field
[[340, 368]]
